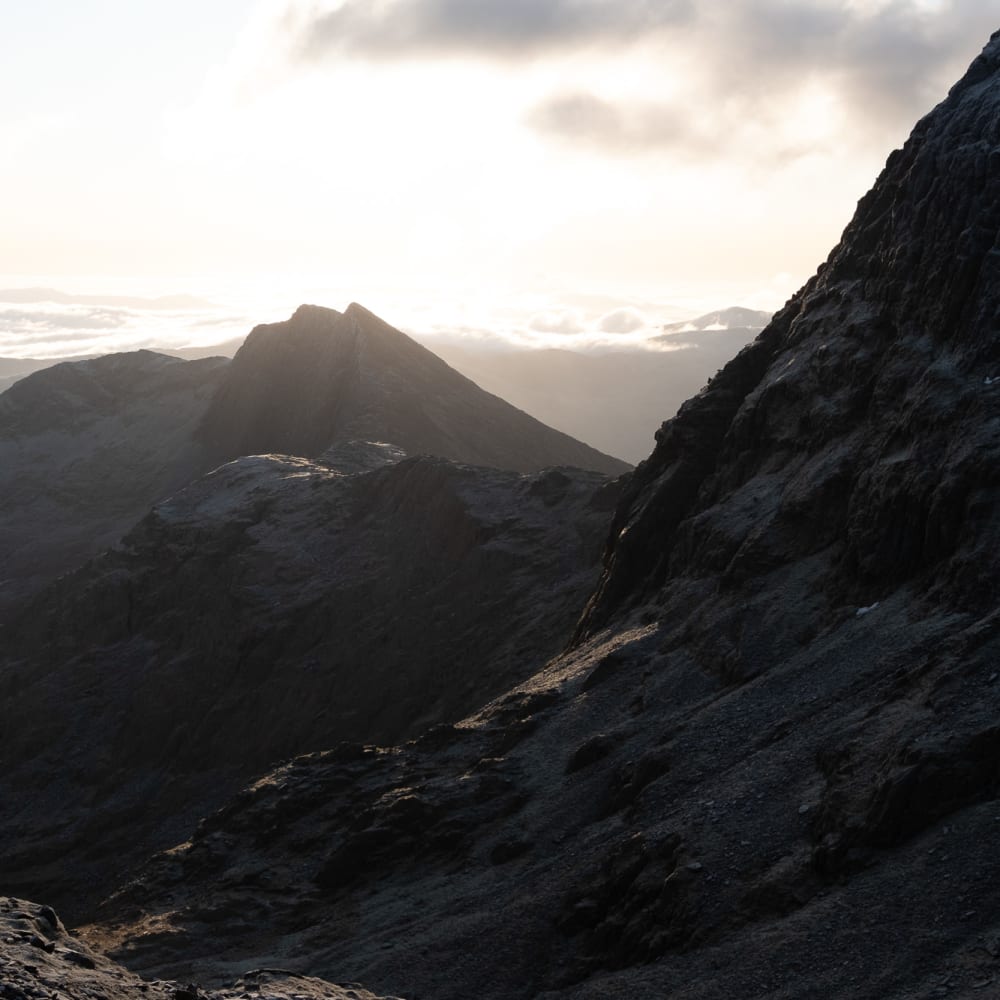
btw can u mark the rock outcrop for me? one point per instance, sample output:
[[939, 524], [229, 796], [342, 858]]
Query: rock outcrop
[[769, 765], [323, 376], [275, 606], [39, 959]]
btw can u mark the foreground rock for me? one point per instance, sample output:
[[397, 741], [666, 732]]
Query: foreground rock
[[769, 767], [38, 959], [275, 606]]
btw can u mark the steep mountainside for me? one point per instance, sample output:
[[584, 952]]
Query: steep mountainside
[[275, 606], [770, 765], [85, 448], [323, 376]]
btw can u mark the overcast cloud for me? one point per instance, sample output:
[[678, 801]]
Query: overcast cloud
[[883, 63], [493, 28]]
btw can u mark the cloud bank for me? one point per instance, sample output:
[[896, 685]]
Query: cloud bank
[[54, 325], [882, 62]]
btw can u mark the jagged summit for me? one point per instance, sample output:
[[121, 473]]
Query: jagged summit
[[324, 376]]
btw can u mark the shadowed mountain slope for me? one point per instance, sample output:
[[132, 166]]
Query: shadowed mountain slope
[[85, 448], [323, 376], [274, 606], [770, 764]]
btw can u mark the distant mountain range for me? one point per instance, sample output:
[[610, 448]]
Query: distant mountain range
[[721, 321], [611, 399], [615, 399], [87, 446]]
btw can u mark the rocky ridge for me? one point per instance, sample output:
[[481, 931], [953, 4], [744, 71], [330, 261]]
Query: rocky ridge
[[769, 765], [274, 606]]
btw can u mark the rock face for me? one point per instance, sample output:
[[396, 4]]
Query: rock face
[[85, 448], [323, 376], [275, 606], [769, 765], [38, 958], [860, 430]]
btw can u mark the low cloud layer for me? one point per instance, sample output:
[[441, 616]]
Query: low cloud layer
[[60, 325], [564, 321], [624, 320]]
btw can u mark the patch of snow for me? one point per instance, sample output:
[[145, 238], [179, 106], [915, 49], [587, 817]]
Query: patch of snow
[[861, 612]]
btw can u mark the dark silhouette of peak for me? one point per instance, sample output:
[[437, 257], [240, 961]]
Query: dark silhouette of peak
[[323, 376]]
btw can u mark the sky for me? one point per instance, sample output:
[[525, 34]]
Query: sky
[[545, 171]]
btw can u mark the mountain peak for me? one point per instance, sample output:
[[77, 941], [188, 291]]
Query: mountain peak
[[323, 376], [312, 314]]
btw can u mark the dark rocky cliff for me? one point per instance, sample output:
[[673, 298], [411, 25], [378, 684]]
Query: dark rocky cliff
[[862, 422], [770, 764]]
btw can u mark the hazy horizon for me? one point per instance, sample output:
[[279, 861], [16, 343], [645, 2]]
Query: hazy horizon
[[84, 316], [550, 173]]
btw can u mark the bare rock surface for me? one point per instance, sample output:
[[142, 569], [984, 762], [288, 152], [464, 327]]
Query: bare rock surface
[[39, 960], [324, 376], [85, 448], [274, 606], [769, 765]]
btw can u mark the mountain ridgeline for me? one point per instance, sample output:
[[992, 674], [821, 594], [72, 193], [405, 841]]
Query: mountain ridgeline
[[766, 765], [87, 447], [323, 376]]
